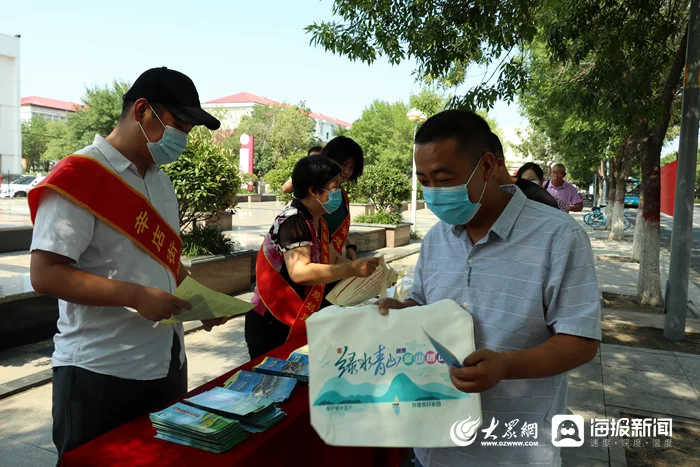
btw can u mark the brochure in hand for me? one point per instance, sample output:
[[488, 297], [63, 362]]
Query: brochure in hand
[[296, 366], [255, 413], [199, 429], [276, 388]]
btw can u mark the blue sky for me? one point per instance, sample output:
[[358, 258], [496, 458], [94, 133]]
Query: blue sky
[[258, 46]]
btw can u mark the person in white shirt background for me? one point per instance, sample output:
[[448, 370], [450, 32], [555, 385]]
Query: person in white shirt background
[[110, 362]]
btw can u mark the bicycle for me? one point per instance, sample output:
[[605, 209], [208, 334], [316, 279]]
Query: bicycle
[[597, 218]]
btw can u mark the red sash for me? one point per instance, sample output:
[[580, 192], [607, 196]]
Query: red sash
[[340, 235], [96, 188], [281, 299]]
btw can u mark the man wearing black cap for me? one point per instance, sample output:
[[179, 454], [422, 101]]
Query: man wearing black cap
[[106, 243]]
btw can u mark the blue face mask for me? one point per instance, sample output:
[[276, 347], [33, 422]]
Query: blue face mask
[[335, 197], [170, 146], [452, 204]]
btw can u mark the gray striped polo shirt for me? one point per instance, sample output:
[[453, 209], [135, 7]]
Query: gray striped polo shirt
[[530, 278]]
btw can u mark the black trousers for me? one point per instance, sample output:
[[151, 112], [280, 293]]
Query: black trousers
[[263, 333], [88, 404]]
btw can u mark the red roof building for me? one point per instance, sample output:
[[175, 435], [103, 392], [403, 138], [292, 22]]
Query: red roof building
[[50, 109], [238, 105]]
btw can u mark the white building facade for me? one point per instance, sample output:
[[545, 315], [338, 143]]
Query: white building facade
[[235, 106], [10, 124]]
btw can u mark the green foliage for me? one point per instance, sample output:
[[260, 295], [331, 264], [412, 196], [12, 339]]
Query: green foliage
[[278, 131], [385, 134], [207, 240], [604, 85], [416, 235], [34, 141], [386, 218], [100, 113], [283, 172], [60, 144], [248, 178], [429, 101], [668, 158], [385, 186], [205, 181], [47, 141], [443, 39]]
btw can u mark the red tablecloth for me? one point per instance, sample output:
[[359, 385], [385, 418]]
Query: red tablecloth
[[292, 442]]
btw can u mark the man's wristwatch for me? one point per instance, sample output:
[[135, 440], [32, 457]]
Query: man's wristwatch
[[351, 246]]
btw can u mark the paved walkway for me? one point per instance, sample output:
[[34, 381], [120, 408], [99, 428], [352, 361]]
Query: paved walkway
[[620, 380]]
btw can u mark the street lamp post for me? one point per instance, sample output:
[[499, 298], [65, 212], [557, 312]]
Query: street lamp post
[[676, 304], [416, 117]]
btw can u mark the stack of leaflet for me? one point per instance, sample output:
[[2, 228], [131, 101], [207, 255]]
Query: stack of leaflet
[[296, 366], [188, 426], [256, 414], [276, 388]]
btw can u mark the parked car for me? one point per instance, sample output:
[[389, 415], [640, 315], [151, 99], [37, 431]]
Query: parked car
[[20, 187]]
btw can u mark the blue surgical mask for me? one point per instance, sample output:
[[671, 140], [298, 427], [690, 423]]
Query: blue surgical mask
[[335, 198], [170, 146], [452, 204]]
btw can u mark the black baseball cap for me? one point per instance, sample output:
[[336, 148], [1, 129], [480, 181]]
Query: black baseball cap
[[176, 92]]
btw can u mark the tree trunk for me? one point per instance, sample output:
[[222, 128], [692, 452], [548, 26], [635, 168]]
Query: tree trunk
[[639, 231], [649, 291], [612, 188], [601, 180], [624, 166]]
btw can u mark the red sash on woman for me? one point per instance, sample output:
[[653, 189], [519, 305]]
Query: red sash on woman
[[91, 185], [281, 299], [341, 234]]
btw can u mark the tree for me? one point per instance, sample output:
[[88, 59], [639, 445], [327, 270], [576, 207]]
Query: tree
[[444, 38], [205, 180], [636, 52], [60, 144], [428, 100], [34, 141], [283, 172], [279, 131], [99, 114], [386, 187], [385, 134]]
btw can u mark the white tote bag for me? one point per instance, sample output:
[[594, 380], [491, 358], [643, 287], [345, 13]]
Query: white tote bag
[[378, 381]]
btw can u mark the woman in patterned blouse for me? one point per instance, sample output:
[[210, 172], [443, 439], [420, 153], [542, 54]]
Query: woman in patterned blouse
[[292, 251]]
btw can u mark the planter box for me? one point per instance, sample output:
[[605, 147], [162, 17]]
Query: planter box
[[225, 223], [398, 235], [367, 237], [395, 235], [249, 198], [228, 274], [15, 239], [407, 206], [357, 209], [419, 205]]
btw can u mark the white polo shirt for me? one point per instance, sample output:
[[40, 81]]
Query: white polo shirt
[[110, 340]]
